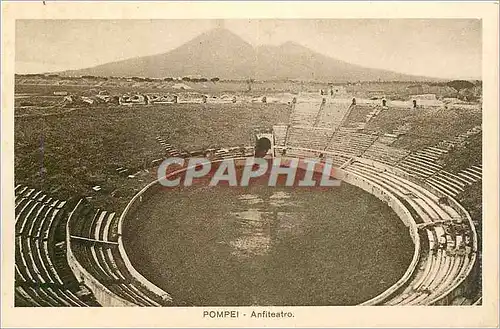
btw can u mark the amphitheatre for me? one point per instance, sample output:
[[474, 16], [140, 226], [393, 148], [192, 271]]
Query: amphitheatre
[[95, 228]]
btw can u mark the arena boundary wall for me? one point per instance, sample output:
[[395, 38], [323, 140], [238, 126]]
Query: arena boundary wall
[[350, 178]]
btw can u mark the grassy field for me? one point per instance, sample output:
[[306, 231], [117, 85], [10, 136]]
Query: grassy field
[[357, 115], [428, 125], [69, 153], [295, 246], [464, 157]]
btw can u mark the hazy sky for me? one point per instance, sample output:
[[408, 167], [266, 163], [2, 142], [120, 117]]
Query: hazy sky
[[446, 48]]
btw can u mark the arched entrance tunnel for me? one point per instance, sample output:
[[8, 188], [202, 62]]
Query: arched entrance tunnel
[[262, 146]]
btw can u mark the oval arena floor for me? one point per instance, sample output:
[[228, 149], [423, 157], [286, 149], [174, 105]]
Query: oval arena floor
[[262, 245]]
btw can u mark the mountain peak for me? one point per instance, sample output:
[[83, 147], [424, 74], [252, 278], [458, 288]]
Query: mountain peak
[[219, 52], [293, 45], [220, 34]]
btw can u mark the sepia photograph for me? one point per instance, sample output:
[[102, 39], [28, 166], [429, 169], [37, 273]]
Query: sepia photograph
[[246, 166]]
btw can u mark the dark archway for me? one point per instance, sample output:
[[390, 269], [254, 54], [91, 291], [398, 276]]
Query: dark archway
[[262, 146]]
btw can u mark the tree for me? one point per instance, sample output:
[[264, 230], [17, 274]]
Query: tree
[[215, 79], [459, 85]]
